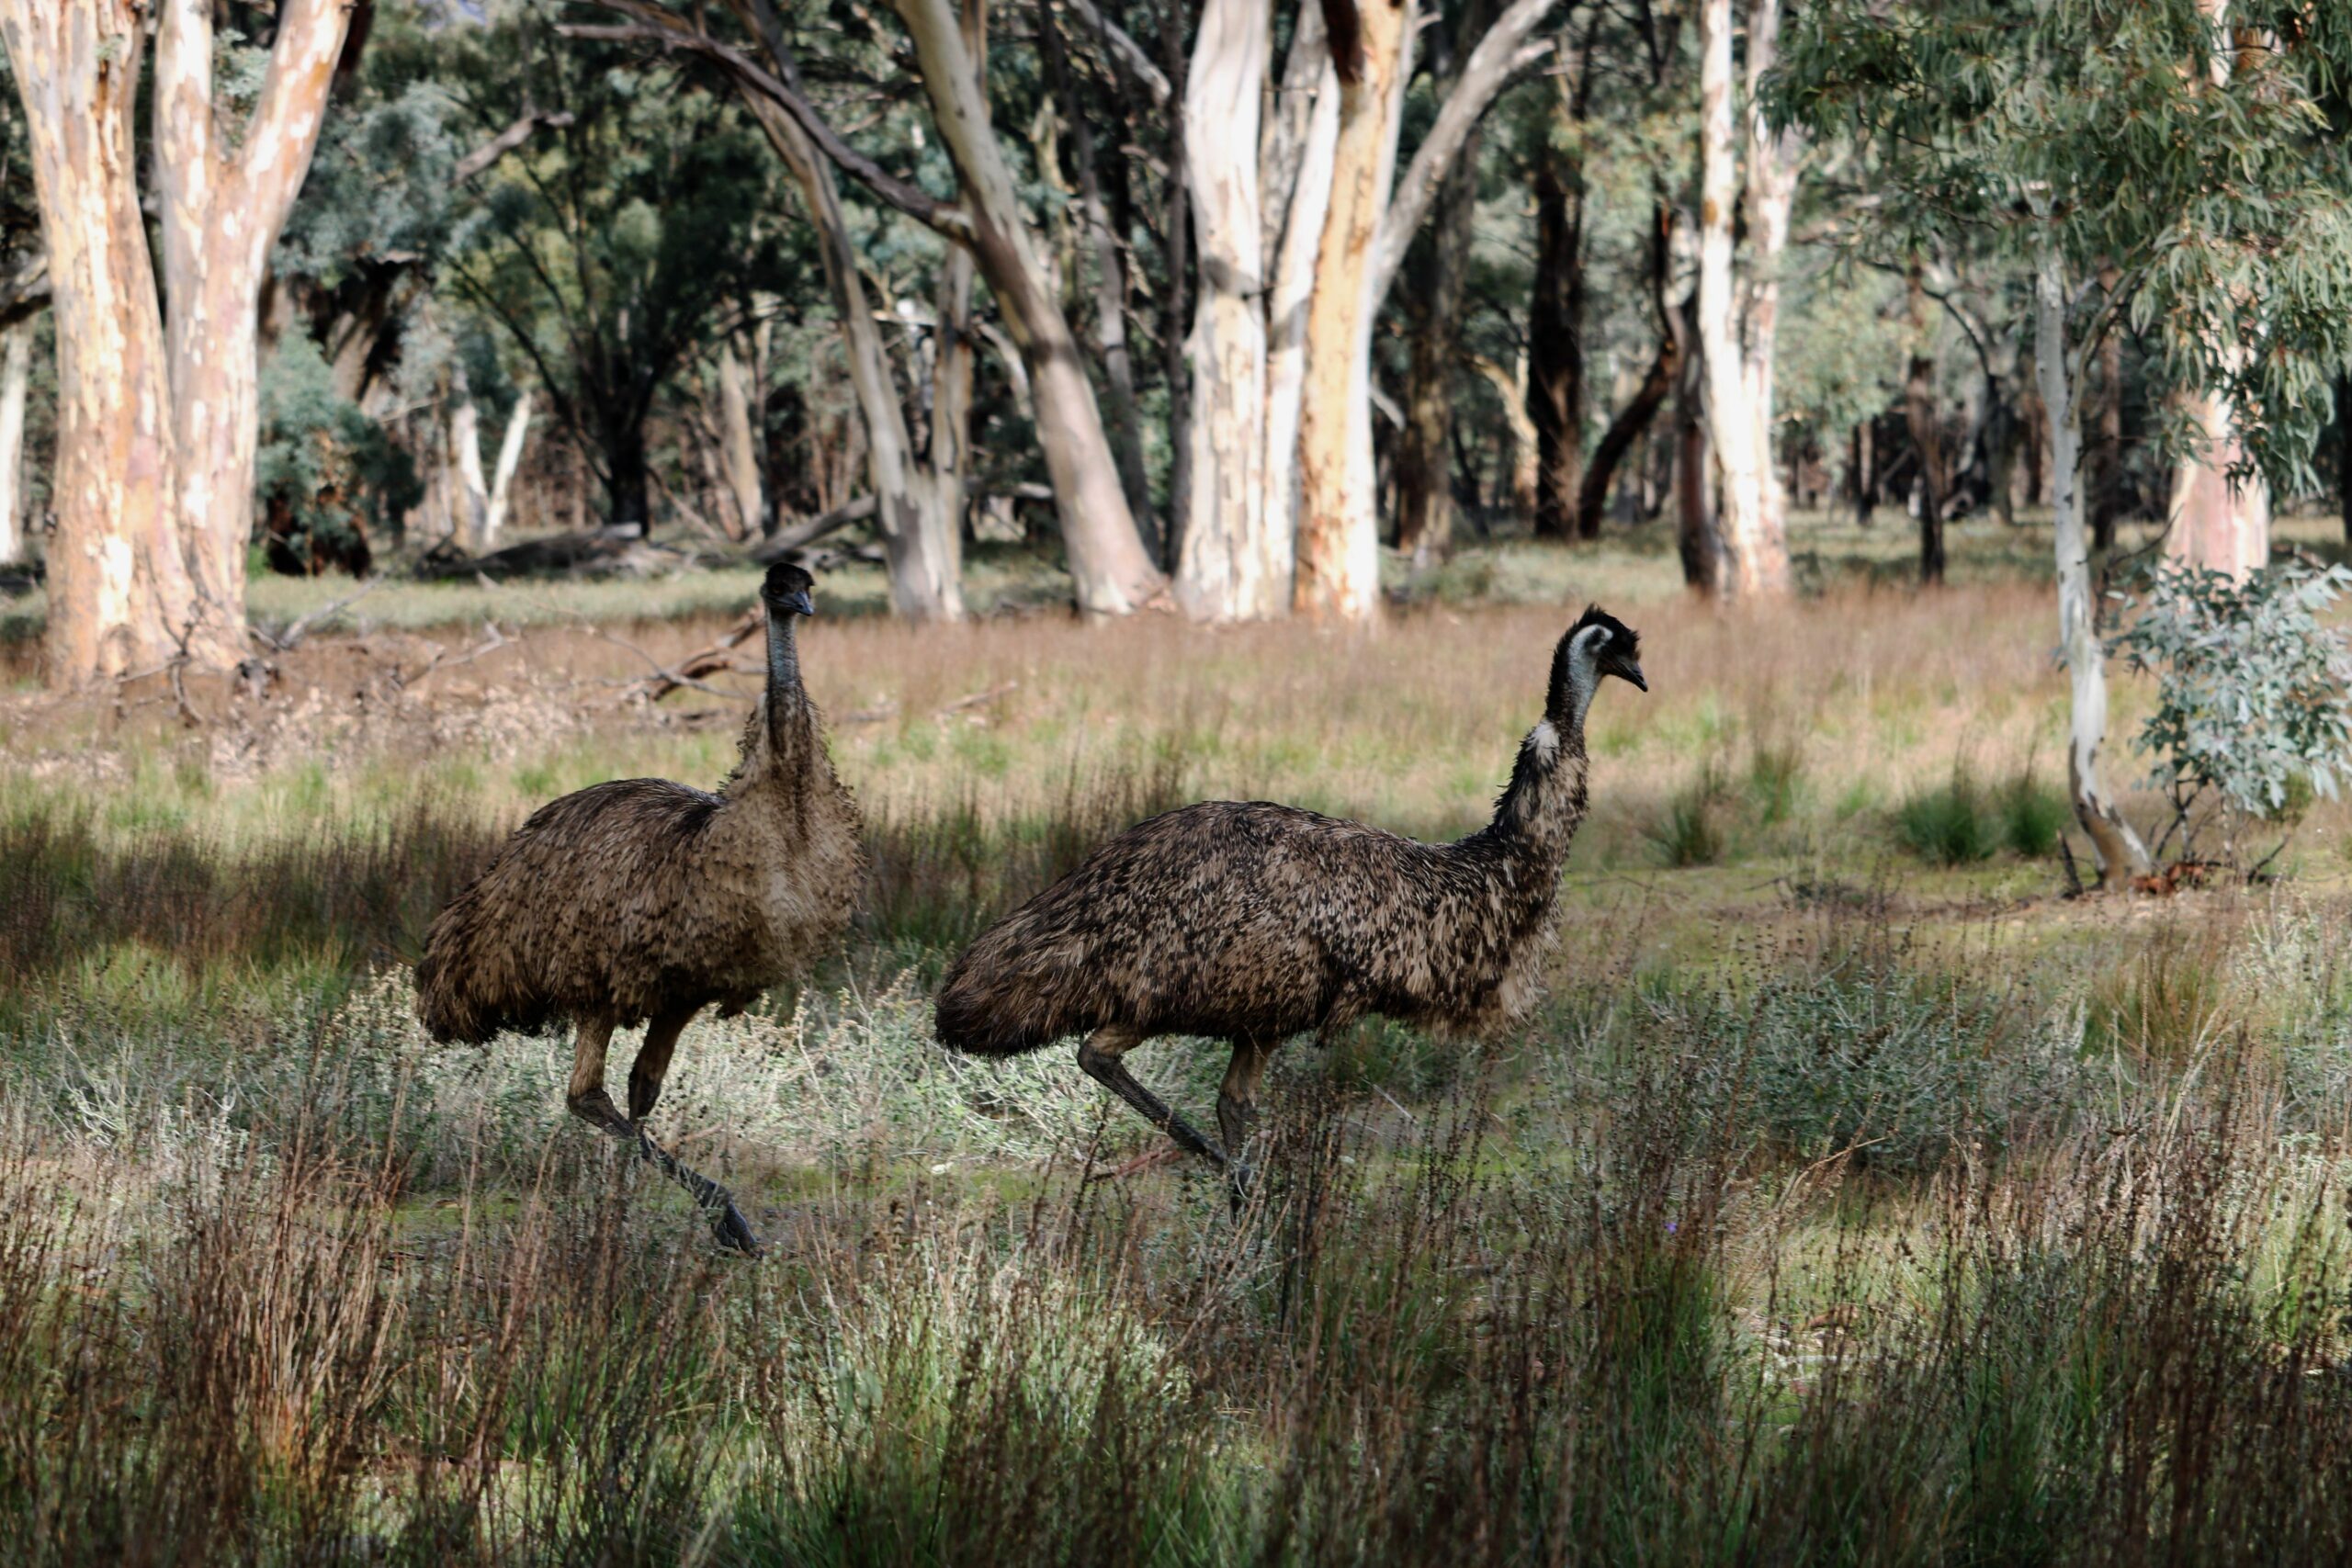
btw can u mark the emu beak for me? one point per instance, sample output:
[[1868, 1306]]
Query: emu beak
[[1633, 672], [800, 603]]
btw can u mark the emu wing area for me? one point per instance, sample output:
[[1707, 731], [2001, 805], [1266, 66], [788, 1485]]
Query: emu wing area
[[600, 904], [1246, 921]]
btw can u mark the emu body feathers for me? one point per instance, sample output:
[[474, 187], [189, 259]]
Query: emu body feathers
[[645, 901], [1254, 922]]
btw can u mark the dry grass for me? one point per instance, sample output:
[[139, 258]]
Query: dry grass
[[1840, 1206]]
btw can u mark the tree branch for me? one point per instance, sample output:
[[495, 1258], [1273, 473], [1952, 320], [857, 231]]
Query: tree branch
[[1499, 57], [1125, 50], [276, 153], [656, 26], [506, 140]]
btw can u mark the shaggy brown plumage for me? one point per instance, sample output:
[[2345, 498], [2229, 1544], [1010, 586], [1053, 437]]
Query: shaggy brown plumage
[[645, 901], [1254, 923]]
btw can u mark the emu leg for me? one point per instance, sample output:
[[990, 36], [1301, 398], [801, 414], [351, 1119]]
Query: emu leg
[[645, 1075], [726, 1222], [586, 1097], [588, 1100], [1099, 1054], [653, 1064], [1237, 1109]]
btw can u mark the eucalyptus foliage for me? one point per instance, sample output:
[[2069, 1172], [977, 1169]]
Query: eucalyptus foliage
[[2253, 690], [2202, 163]]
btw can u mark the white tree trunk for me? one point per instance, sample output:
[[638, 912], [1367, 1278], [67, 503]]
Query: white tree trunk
[[739, 452], [1755, 558], [1113, 573], [1307, 203], [1337, 572], [2217, 524], [16, 376], [156, 423], [916, 507], [1771, 193], [1230, 566], [116, 581], [2121, 856], [224, 199], [502, 478], [470, 494]]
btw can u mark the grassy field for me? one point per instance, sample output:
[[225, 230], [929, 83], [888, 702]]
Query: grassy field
[[1854, 1198]]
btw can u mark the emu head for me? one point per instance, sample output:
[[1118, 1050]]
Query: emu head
[[786, 590], [1598, 644]]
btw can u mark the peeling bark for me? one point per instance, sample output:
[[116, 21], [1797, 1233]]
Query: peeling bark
[[2121, 856], [157, 418], [1230, 564], [1293, 287], [1338, 545], [2217, 522], [1739, 318]]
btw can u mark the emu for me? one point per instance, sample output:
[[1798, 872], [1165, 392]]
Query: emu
[[645, 900], [1252, 922]]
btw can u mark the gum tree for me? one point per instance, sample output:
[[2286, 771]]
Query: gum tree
[[157, 349], [2091, 135]]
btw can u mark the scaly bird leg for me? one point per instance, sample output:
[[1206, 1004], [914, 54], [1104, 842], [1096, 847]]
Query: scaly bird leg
[[1237, 1110], [726, 1222], [587, 1098], [1099, 1054], [653, 1064]]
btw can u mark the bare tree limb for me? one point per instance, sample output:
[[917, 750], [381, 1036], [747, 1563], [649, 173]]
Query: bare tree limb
[[808, 532], [1499, 57], [506, 140], [658, 26], [1125, 50]]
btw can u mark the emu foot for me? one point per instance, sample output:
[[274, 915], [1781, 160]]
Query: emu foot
[[732, 1231], [1240, 1181], [727, 1222]]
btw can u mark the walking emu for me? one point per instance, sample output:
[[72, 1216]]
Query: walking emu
[[645, 901], [1252, 922]]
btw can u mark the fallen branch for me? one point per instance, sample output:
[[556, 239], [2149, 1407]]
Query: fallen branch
[[711, 660], [492, 640], [977, 699], [803, 534], [285, 642]]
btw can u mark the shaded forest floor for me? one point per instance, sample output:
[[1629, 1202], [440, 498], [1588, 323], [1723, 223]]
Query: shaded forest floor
[[1854, 1197]]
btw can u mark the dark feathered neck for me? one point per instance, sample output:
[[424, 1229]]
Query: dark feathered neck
[[782, 733], [1544, 802], [1546, 798]]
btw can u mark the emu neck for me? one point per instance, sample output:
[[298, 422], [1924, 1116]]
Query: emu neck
[[1544, 802], [778, 735]]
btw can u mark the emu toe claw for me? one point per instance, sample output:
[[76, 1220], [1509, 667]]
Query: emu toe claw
[[733, 1231]]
